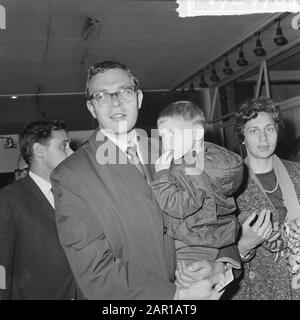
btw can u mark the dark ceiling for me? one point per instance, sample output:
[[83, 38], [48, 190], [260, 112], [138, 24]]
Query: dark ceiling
[[48, 45]]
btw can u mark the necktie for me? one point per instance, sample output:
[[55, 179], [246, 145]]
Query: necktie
[[134, 158]]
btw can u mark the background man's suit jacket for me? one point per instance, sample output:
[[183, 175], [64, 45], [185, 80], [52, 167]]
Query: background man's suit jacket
[[36, 266]]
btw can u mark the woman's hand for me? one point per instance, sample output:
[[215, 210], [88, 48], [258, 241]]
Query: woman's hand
[[255, 234]]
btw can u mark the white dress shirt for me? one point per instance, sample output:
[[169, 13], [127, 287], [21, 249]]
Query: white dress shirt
[[44, 185], [122, 141]]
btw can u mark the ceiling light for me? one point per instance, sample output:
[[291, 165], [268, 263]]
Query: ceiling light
[[202, 83], [14, 97], [214, 77], [183, 93], [280, 39], [192, 88], [259, 50], [241, 61], [227, 69]]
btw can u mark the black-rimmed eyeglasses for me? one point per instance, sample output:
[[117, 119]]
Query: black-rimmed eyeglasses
[[123, 95]]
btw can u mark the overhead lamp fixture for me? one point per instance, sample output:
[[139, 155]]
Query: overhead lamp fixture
[[280, 39], [259, 50], [14, 97], [9, 143], [192, 88], [202, 83], [183, 93], [214, 77], [241, 61], [227, 69]]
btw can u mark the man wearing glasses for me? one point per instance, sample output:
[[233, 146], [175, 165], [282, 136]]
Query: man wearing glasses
[[108, 221]]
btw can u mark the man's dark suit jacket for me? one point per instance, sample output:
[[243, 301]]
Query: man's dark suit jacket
[[110, 225], [36, 266]]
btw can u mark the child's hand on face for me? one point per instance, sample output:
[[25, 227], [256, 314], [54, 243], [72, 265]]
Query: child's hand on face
[[164, 161]]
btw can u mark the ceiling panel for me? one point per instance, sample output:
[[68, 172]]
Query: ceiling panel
[[48, 45], [147, 35]]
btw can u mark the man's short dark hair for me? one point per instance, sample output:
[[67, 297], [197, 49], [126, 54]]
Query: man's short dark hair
[[37, 131], [186, 110], [103, 66]]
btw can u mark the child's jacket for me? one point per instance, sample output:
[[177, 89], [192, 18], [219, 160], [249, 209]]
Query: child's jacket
[[201, 207]]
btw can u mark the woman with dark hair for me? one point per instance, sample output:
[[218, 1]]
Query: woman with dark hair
[[269, 209]]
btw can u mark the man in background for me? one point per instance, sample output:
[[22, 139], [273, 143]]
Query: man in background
[[34, 262]]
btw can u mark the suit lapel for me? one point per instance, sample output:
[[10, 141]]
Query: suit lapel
[[107, 152], [145, 150], [33, 191], [150, 150]]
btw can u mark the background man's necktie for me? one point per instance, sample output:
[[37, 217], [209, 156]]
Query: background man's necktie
[[50, 198]]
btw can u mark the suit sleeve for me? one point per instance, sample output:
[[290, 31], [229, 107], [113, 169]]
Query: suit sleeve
[[231, 255], [7, 245], [99, 274]]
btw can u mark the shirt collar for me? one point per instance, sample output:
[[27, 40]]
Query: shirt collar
[[44, 185], [122, 141]]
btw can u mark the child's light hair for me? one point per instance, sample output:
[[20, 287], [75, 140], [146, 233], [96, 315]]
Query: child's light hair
[[186, 110]]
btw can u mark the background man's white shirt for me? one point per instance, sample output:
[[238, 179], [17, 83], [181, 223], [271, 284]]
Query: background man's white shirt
[[44, 185]]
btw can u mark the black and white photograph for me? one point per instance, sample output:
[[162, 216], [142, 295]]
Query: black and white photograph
[[149, 151]]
